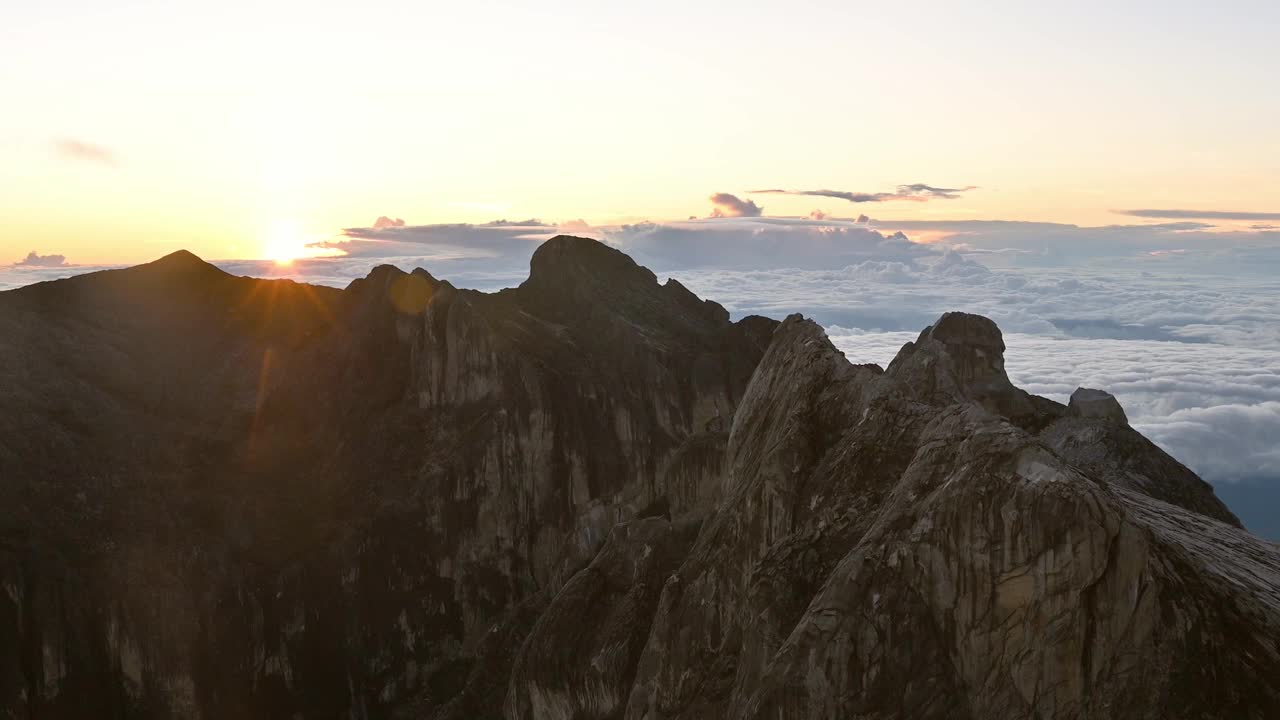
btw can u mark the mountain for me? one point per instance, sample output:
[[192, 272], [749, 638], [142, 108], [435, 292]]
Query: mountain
[[591, 496]]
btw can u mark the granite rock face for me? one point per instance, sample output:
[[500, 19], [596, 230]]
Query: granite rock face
[[1089, 403], [242, 498], [889, 548], [592, 496]]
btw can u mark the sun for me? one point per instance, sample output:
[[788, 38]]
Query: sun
[[284, 244]]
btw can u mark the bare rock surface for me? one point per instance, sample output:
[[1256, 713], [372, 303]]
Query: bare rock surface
[[1089, 403], [591, 496]]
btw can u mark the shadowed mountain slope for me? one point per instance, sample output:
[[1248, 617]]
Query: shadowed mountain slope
[[591, 496]]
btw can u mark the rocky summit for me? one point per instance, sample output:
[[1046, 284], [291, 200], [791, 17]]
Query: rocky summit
[[590, 497]]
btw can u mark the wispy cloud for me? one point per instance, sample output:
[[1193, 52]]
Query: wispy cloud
[[1202, 215], [930, 192], [915, 192], [79, 150], [35, 259], [727, 205]]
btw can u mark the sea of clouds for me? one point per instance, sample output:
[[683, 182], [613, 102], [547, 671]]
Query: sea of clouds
[[1181, 322]]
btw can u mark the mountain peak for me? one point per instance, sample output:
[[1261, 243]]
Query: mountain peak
[[570, 260], [182, 263], [1090, 403], [180, 259], [962, 353], [971, 337]]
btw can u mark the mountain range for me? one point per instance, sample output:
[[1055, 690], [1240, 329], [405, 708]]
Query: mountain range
[[592, 496]]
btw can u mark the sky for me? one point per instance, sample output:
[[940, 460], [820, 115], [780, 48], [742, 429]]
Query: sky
[[137, 127], [1102, 179]]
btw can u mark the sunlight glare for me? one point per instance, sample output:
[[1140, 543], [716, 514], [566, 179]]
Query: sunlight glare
[[285, 243]]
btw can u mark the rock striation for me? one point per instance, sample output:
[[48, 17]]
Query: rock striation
[[591, 496]]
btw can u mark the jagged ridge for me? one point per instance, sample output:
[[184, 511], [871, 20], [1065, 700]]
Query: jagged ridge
[[591, 496]]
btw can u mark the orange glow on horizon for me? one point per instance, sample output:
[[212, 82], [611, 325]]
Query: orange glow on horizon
[[284, 244]]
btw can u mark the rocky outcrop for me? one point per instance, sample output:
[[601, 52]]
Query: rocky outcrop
[[1088, 403], [591, 496], [580, 658], [930, 557]]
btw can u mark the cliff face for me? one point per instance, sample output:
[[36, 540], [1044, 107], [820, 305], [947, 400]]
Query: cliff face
[[890, 545], [238, 497], [592, 496]]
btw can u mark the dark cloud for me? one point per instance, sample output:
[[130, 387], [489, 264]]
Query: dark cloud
[[758, 243], [731, 206], [385, 222], [929, 191], [1201, 215], [35, 259], [83, 151], [531, 222], [1263, 226], [915, 192], [854, 197], [1184, 226]]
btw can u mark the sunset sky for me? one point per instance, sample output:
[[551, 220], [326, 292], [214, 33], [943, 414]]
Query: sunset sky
[[234, 128]]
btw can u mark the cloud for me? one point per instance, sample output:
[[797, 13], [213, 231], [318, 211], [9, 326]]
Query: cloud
[[731, 206], [915, 192], [929, 191], [82, 151], [34, 259], [1183, 338], [819, 215], [855, 197], [758, 243], [450, 239], [20, 274], [1044, 244], [531, 222], [1201, 214], [1179, 343], [1214, 407], [485, 256], [773, 243], [1232, 442], [385, 222]]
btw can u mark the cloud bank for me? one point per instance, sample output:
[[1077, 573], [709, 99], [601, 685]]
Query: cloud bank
[[915, 192], [34, 259], [1201, 214]]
